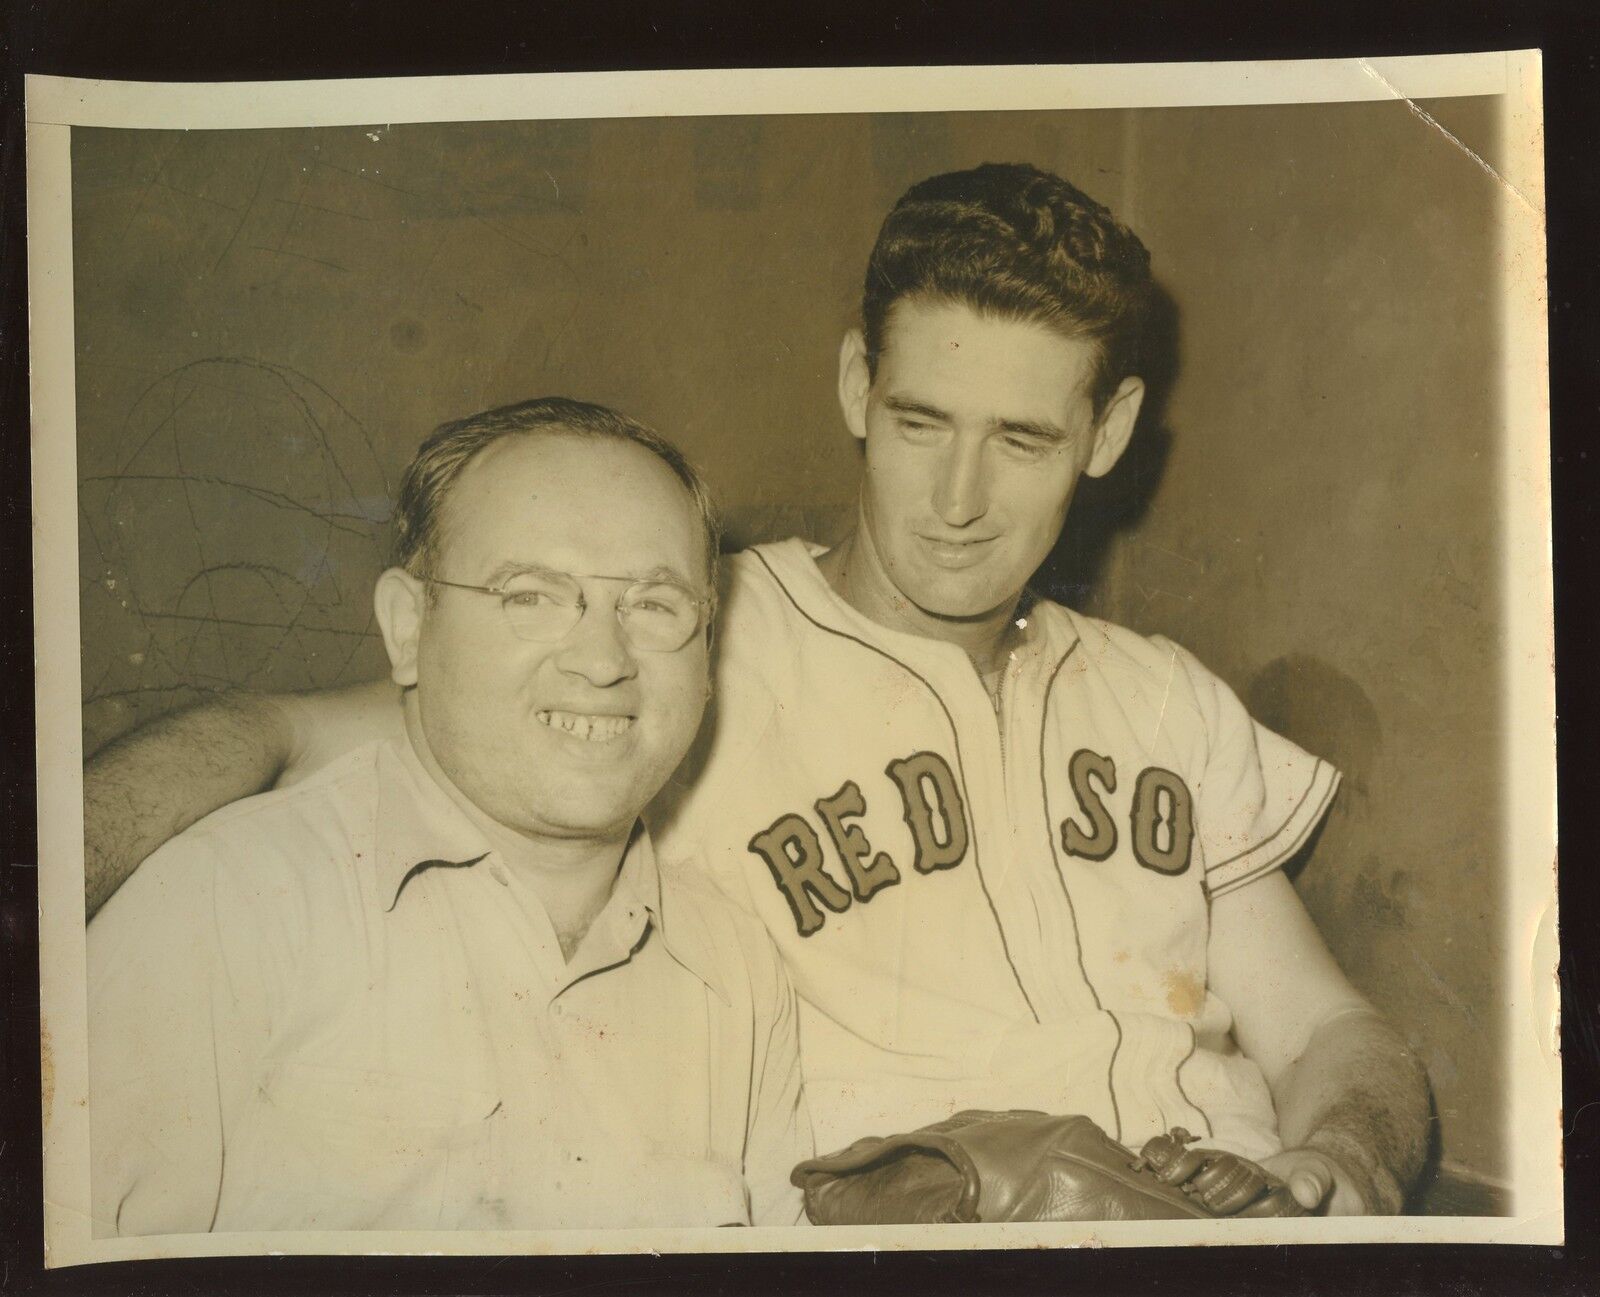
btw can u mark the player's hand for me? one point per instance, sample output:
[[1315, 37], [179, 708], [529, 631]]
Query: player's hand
[[1320, 1184]]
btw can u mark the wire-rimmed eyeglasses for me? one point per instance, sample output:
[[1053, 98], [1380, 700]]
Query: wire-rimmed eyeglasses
[[543, 606]]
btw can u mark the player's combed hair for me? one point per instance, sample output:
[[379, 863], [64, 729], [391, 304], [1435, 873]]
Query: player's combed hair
[[440, 460], [1011, 240]]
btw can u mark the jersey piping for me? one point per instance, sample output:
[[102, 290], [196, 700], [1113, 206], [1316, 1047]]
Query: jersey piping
[[1299, 824], [1061, 877], [1177, 1076], [955, 739], [1111, 1079]]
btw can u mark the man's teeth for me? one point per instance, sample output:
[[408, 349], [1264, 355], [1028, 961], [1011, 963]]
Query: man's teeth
[[596, 729]]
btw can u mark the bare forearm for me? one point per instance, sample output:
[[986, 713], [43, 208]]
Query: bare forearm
[[150, 785], [1359, 1095], [154, 783]]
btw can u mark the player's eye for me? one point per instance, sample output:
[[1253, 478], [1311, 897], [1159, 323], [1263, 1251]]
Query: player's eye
[[1027, 447]]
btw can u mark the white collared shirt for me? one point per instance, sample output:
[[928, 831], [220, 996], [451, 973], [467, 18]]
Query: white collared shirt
[[334, 1007]]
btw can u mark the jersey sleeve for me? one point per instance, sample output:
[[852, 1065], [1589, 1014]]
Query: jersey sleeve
[[1258, 796]]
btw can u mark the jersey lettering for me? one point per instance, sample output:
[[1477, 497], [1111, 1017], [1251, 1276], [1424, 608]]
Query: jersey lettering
[[793, 853], [1163, 821], [1099, 843], [867, 872], [919, 775]]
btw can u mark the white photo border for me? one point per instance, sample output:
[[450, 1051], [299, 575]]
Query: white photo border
[[55, 105]]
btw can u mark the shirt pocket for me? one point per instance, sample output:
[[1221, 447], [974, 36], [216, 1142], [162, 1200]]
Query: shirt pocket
[[346, 1148]]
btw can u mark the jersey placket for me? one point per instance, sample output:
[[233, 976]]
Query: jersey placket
[[1033, 907], [1142, 1067], [1042, 949]]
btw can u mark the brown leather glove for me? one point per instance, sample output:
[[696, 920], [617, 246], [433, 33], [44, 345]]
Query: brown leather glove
[[1020, 1166]]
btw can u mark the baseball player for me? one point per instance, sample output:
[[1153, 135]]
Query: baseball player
[[1013, 857]]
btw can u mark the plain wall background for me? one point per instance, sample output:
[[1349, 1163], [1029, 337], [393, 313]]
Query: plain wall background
[[268, 322]]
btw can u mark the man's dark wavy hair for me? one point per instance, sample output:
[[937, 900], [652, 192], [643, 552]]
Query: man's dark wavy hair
[[1013, 241]]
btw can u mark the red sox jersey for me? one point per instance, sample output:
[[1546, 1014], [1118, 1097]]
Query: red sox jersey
[[982, 905]]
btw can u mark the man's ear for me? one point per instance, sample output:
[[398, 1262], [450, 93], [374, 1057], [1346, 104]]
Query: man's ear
[[855, 381], [1115, 428], [400, 602]]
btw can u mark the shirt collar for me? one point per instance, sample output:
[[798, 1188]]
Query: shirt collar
[[684, 933], [419, 827]]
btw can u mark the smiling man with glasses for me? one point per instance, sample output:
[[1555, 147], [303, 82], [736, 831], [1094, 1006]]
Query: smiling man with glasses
[[441, 984]]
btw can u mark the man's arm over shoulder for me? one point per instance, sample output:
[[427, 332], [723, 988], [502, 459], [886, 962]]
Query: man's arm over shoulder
[[1352, 1099], [152, 784]]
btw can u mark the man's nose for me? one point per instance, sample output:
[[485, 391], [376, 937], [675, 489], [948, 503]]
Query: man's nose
[[596, 649], [962, 494]]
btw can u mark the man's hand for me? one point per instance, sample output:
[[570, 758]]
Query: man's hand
[[1320, 1184], [1351, 1096]]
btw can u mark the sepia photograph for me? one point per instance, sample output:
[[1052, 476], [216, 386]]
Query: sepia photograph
[[891, 660]]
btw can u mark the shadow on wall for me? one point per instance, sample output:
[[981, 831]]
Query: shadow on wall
[[1322, 709], [1106, 506], [1327, 711]]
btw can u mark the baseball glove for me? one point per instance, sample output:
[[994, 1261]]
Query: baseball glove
[[1018, 1166]]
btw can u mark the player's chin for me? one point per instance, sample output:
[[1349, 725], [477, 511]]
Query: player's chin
[[965, 596]]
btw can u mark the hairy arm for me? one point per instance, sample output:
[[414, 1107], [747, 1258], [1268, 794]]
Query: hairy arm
[[153, 783], [1352, 1098], [1358, 1097]]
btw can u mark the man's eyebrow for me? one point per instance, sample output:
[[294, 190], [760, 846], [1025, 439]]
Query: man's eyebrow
[[664, 572], [904, 405], [518, 567], [1038, 429], [1033, 428]]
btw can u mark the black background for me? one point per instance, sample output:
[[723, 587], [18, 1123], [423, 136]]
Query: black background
[[257, 39]]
